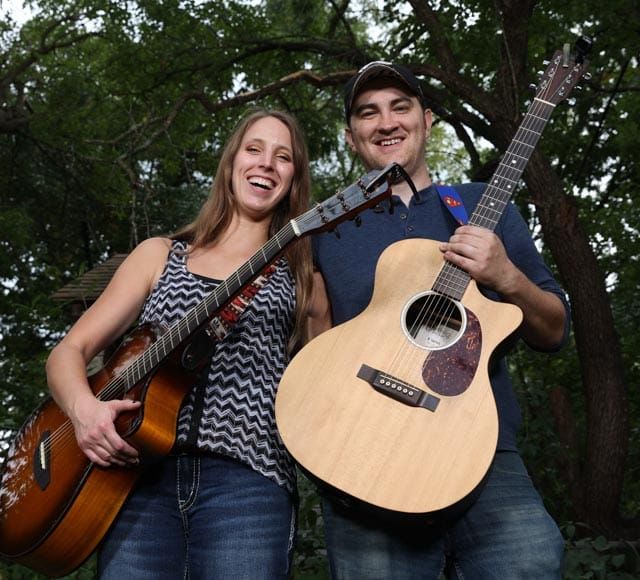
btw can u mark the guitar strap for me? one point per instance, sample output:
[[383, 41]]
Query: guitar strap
[[221, 323], [452, 201]]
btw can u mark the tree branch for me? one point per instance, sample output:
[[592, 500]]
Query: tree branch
[[339, 17], [596, 134], [448, 67], [331, 79], [16, 115]]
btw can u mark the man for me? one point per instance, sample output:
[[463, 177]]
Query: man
[[506, 533]]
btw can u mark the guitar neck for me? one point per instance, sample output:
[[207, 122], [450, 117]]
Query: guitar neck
[[361, 194], [511, 167], [452, 281], [226, 290], [200, 314]]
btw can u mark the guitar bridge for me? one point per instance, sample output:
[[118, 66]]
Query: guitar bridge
[[396, 389], [42, 461]]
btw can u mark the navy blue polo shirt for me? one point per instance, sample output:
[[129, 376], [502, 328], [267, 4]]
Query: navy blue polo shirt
[[348, 266]]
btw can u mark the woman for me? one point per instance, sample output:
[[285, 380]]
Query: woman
[[222, 505]]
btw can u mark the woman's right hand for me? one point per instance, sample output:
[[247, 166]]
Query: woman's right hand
[[93, 422]]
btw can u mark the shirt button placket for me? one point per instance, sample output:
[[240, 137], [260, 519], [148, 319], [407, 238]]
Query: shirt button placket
[[405, 217]]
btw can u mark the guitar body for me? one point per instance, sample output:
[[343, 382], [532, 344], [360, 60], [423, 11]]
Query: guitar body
[[371, 441], [55, 505]]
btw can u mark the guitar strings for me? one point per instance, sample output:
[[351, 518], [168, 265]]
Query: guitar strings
[[454, 280], [435, 311], [438, 309]]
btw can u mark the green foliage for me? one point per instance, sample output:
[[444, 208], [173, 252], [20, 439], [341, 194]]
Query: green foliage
[[599, 559], [14, 572], [310, 555]]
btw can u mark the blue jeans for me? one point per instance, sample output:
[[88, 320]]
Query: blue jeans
[[506, 534], [201, 517]]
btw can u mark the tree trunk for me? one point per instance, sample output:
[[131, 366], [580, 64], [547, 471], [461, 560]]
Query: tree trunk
[[599, 351]]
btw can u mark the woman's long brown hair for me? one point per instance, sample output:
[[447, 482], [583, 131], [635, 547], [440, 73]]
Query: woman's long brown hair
[[216, 213]]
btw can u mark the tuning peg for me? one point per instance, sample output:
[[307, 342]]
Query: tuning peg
[[533, 87], [571, 102], [546, 62], [583, 46], [587, 76]]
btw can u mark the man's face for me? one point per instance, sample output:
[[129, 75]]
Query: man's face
[[389, 125]]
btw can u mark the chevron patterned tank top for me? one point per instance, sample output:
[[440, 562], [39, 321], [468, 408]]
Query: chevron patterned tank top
[[232, 412]]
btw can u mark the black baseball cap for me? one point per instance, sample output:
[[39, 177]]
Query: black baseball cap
[[376, 69]]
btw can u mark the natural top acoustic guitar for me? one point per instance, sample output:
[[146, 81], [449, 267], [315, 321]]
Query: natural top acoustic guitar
[[394, 407]]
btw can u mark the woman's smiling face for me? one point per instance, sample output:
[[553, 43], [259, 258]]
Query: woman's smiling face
[[263, 168]]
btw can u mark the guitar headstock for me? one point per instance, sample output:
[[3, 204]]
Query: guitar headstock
[[564, 72], [369, 190]]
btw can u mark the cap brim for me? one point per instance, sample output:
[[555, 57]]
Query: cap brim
[[380, 70]]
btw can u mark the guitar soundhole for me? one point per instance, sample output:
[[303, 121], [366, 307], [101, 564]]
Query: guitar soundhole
[[433, 321]]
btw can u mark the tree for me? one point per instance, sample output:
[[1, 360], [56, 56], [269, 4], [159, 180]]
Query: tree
[[113, 113]]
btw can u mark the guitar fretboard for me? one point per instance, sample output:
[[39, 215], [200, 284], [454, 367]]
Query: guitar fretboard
[[199, 314], [452, 281]]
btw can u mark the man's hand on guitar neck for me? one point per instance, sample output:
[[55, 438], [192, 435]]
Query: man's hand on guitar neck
[[480, 253]]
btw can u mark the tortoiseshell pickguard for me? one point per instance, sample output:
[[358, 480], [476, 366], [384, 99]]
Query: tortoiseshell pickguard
[[450, 371]]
